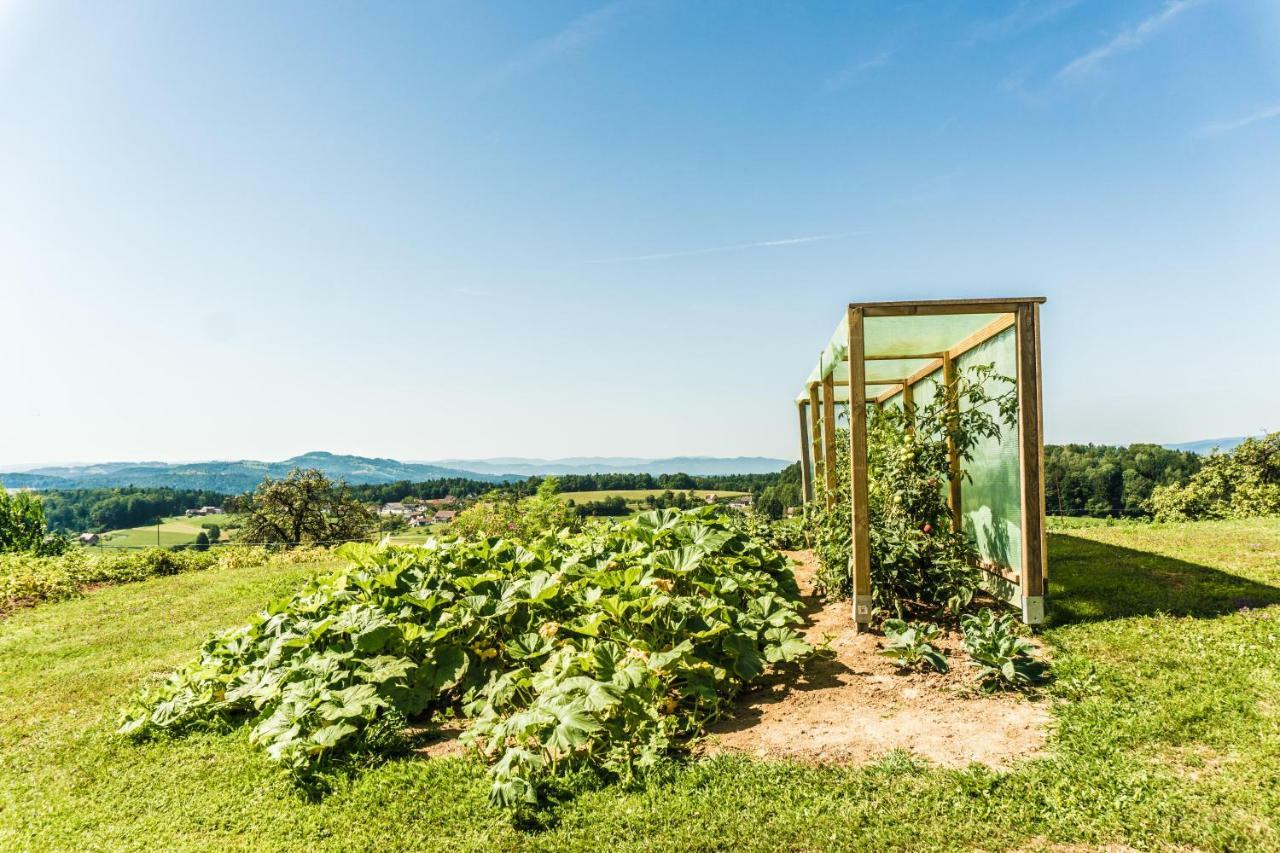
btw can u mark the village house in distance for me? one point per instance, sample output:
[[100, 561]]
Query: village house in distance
[[421, 514]]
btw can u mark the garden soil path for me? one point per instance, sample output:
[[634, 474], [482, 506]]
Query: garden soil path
[[854, 707]]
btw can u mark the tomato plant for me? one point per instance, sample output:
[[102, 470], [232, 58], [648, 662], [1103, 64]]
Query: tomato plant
[[918, 564]]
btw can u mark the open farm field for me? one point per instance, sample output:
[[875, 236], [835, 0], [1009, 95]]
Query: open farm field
[[175, 530]]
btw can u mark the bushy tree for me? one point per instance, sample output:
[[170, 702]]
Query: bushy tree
[[392, 524], [304, 508], [769, 503], [23, 528], [503, 514], [1240, 484]]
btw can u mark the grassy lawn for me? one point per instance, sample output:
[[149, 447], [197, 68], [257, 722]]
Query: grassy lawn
[[1167, 733], [418, 535], [176, 530]]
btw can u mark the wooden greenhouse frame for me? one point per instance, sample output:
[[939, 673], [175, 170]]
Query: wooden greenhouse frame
[[867, 363]]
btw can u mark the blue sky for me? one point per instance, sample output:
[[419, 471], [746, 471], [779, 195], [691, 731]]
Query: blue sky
[[461, 229]]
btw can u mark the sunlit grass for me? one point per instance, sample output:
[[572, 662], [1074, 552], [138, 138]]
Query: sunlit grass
[[1166, 734]]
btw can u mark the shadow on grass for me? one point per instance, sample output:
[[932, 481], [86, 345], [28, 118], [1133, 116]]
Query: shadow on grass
[[1091, 581]]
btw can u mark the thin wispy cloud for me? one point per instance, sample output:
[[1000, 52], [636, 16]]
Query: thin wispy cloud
[[576, 35], [1220, 127], [848, 75], [1024, 16], [1125, 41], [737, 247]]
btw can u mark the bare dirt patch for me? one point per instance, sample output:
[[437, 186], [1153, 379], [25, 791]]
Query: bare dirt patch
[[856, 706], [442, 742]]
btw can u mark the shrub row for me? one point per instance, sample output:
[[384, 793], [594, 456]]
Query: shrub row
[[26, 579]]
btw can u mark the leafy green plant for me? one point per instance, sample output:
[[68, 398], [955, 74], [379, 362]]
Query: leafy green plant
[[27, 579], [23, 528], [1004, 658], [602, 650], [911, 644], [503, 514], [1241, 484], [918, 564], [785, 534]]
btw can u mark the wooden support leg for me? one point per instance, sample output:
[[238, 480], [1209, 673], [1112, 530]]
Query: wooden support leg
[[953, 458], [806, 470], [829, 439], [1031, 463], [909, 406], [860, 558], [815, 436]]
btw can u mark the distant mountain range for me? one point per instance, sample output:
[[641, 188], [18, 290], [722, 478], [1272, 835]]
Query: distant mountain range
[[244, 475], [618, 465], [1205, 446], [231, 477]]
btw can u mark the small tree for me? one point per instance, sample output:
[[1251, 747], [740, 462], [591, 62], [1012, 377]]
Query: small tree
[[202, 541], [304, 508], [23, 527], [769, 503], [214, 531], [504, 515]]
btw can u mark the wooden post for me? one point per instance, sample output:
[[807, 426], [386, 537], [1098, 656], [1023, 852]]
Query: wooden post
[[909, 406], [829, 438], [860, 556], [806, 472], [1031, 463], [815, 437], [953, 457]]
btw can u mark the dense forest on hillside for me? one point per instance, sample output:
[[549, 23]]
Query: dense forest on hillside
[[1100, 480], [78, 510], [458, 487]]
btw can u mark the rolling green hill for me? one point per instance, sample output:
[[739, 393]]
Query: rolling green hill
[[235, 477]]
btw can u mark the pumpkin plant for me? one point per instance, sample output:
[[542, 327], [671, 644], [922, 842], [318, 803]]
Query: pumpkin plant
[[604, 649]]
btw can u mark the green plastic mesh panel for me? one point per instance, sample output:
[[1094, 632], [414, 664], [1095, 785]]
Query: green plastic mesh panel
[[991, 502], [890, 336], [922, 392]]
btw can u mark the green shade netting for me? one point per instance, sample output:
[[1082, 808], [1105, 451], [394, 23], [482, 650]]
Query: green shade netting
[[891, 336], [991, 501]]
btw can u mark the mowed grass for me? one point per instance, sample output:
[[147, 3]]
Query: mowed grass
[[418, 535], [1166, 734], [175, 530]]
